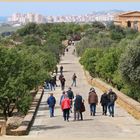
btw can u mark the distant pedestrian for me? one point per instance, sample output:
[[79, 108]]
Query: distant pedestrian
[[93, 101], [62, 97], [104, 102], [51, 101], [78, 107], [112, 97], [65, 105], [61, 69], [52, 84], [54, 80], [62, 81], [46, 84], [74, 77], [71, 97]]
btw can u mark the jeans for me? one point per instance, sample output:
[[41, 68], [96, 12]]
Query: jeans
[[51, 111], [62, 86], [111, 108], [73, 83], [104, 107], [77, 114], [93, 108]]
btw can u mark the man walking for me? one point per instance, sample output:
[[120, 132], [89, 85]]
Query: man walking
[[78, 107], [62, 81], [74, 77], [104, 102], [51, 102], [70, 96], [61, 69], [93, 101], [112, 97]]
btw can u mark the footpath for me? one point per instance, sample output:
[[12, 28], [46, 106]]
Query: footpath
[[122, 126]]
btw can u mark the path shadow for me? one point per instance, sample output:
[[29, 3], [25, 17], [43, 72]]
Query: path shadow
[[87, 120], [42, 108], [44, 127], [65, 63]]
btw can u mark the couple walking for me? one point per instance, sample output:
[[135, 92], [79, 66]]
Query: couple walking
[[66, 105]]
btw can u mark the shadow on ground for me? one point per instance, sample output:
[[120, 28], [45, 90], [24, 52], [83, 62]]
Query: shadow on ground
[[44, 127]]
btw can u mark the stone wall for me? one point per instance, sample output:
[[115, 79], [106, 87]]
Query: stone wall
[[26, 124], [2, 127], [130, 105]]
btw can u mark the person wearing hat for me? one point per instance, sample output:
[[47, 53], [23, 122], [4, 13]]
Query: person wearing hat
[[104, 102], [93, 101]]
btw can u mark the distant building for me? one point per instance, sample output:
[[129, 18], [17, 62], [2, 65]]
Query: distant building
[[19, 18], [128, 19]]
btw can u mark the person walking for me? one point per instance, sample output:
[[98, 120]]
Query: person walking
[[62, 81], [65, 105], [78, 107], [62, 97], [74, 77], [52, 84], [93, 101], [61, 69], [104, 102], [71, 97], [51, 101], [112, 97]]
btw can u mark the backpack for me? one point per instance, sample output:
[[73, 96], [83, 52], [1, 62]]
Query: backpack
[[112, 97]]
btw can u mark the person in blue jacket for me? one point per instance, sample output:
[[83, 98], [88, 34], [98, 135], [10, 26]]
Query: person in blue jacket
[[51, 101]]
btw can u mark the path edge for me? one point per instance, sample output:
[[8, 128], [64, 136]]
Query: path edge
[[28, 120], [127, 103]]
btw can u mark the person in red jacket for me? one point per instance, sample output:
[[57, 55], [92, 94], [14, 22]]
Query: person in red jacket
[[65, 105]]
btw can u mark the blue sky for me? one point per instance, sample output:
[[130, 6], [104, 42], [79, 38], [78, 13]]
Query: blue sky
[[64, 8]]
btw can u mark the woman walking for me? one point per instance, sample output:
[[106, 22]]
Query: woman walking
[[65, 105]]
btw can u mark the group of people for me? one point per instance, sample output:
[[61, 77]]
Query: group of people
[[63, 80], [50, 83], [107, 101], [67, 98], [69, 101], [66, 102]]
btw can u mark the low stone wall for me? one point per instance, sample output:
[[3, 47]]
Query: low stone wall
[[132, 106], [2, 127], [26, 124]]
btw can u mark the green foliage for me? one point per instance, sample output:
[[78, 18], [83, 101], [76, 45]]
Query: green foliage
[[108, 63], [89, 59], [23, 104], [31, 40], [117, 62], [129, 63], [98, 25]]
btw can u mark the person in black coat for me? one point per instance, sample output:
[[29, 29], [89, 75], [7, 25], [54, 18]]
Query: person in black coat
[[104, 102], [78, 107]]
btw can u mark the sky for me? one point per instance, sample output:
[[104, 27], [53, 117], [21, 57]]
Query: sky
[[64, 8]]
